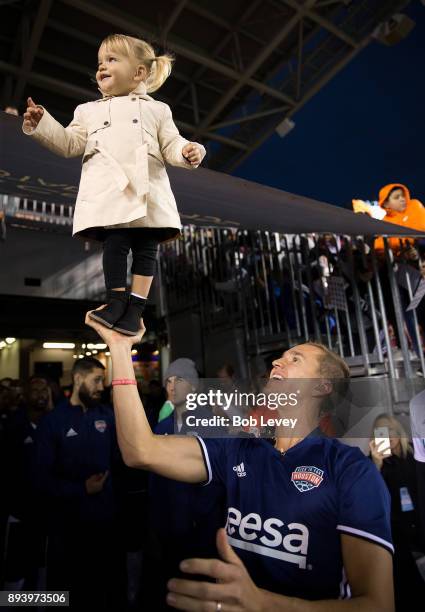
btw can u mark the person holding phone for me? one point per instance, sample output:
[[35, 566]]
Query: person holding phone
[[392, 454]]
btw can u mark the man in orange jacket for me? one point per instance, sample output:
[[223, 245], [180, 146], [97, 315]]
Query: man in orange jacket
[[401, 210]]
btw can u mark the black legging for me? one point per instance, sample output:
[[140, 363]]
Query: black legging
[[143, 243]]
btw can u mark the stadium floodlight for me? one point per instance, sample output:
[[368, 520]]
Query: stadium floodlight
[[58, 345], [285, 127], [393, 31]]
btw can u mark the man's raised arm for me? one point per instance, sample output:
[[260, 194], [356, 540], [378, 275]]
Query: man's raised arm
[[179, 458]]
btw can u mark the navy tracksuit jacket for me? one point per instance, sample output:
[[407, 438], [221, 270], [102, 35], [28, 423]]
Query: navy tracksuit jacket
[[185, 516], [71, 446]]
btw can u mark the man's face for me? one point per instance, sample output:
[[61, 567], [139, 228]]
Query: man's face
[[302, 361], [91, 387], [116, 73], [299, 362], [39, 395], [397, 201], [177, 389]]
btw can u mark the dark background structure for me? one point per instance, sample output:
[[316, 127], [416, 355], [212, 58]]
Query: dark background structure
[[242, 68]]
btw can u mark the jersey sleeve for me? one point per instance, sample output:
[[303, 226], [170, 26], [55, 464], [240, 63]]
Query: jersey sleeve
[[214, 452], [364, 507]]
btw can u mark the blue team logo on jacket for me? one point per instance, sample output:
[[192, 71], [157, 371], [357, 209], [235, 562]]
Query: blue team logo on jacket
[[100, 425], [306, 477]]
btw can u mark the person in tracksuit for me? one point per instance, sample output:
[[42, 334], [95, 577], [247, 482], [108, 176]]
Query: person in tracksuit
[[183, 517], [25, 533], [76, 452]]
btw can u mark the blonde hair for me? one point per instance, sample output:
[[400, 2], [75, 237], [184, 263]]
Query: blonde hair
[[395, 424], [158, 67], [334, 367]]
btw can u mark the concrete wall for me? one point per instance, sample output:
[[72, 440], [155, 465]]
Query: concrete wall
[[209, 352], [185, 338], [9, 361], [225, 346], [37, 254], [64, 356]]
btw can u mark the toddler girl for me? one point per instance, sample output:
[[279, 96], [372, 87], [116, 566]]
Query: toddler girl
[[124, 197]]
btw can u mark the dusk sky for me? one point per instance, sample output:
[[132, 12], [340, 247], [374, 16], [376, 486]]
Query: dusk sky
[[364, 129]]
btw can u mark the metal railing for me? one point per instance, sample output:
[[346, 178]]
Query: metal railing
[[280, 289], [36, 213], [286, 289]]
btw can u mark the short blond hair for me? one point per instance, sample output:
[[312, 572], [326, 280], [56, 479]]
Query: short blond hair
[[333, 367], [158, 66]]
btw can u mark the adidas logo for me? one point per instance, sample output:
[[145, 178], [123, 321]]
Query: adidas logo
[[71, 432], [240, 470]]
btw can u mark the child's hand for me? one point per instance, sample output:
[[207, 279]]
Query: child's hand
[[192, 153], [361, 207], [32, 115]]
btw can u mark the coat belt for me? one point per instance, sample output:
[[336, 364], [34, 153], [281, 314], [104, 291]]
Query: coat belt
[[120, 177]]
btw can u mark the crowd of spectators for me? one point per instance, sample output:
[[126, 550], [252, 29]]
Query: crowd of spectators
[[307, 285], [75, 517]]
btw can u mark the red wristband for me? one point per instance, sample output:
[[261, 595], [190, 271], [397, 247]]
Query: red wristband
[[124, 381]]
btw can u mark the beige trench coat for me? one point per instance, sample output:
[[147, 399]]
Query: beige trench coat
[[125, 142]]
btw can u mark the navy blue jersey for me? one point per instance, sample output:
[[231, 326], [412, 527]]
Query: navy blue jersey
[[72, 445], [184, 516], [286, 513], [19, 449]]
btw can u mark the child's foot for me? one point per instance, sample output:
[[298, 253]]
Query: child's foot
[[115, 308], [129, 323]]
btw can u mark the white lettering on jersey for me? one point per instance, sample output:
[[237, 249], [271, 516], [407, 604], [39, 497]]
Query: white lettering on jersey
[[292, 547], [240, 470]]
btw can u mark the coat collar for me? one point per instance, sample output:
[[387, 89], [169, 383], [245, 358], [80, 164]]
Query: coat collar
[[140, 91]]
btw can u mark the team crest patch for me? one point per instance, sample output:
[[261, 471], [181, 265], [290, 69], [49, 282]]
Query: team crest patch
[[100, 425], [307, 477]]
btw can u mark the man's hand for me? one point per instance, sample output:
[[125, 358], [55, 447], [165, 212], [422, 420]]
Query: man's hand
[[192, 153], [32, 115], [234, 589], [94, 484], [110, 336]]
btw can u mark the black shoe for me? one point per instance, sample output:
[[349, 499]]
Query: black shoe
[[129, 323], [115, 308]]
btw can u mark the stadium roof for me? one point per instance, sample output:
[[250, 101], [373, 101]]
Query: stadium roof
[[242, 67], [46, 185]]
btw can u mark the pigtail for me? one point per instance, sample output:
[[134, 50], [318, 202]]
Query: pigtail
[[160, 70]]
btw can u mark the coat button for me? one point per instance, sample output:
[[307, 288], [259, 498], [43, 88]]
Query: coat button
[[133, 99], [134, 120], [106, 123]]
